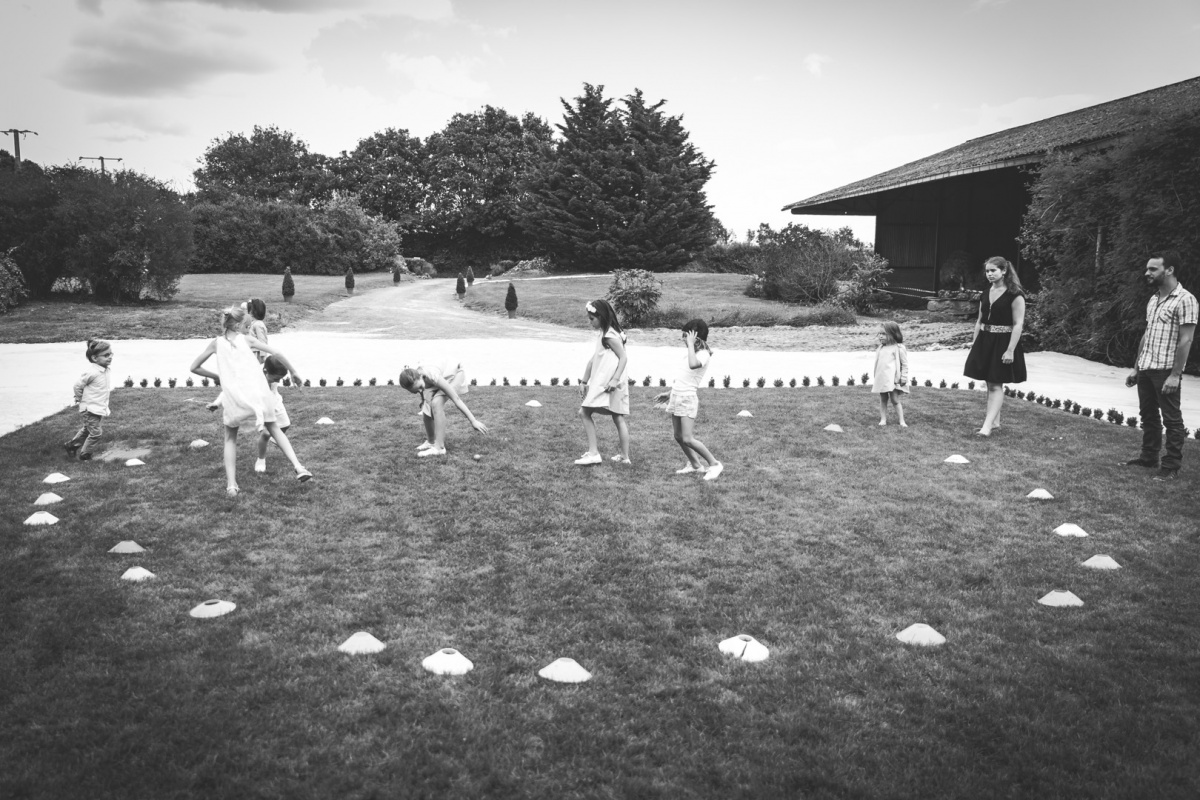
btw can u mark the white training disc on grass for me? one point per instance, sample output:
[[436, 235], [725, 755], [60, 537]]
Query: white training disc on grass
[[565, 670], [1070, 529], [137, 574], [135, 462], [1040, 494], [1060, 598], [922, 634], [956, 459], [212, 608], [744, 647], [534, 404], [41, 518], [198, 444], [448, 661], [324, 421], [127, 547], [834, 428], [55, 477], [744, 413], [47, 499], [1101, 562], [361, 643]]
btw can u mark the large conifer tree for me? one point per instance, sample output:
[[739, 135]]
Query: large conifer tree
[[625, 189]]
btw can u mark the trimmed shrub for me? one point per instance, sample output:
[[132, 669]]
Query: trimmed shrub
[[12, 283], [289, 286], [470, 276], [510, 298], [460, 286], [349, 279]]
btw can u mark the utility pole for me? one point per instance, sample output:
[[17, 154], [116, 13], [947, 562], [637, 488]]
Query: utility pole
[[101, 159], [17, 134]]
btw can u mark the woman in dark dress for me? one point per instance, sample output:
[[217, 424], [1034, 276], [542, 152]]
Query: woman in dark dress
[[996, 356]]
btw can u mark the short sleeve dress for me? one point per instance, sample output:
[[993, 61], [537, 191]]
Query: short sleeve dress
[[984, 361], [604, 366]]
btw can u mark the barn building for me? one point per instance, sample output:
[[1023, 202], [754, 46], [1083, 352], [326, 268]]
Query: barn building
[[937, 219]]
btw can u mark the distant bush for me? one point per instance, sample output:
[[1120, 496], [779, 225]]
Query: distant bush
[[634, 294], [734, 257], [501, 267], [12, 284], [419, 266], [533, 268]]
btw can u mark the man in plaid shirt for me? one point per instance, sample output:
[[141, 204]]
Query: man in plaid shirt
[[1170, 323]]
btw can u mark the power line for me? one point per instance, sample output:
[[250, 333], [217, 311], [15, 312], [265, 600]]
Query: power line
[[101, 159], [17, 134]]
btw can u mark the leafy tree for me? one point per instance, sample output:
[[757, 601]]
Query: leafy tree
[[634, 294], [387, 173], [270, 164], [12, 284], [27, 205], [1094, 221], [126, 232], [625, 189], [476, 167]]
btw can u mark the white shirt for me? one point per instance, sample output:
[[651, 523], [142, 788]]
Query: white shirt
[[688, 379]]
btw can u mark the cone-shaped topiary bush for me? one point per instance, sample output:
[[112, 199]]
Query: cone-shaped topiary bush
[[510, 299], [289, 286]]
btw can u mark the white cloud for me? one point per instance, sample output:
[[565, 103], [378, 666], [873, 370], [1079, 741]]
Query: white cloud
[[433, 75], [815, 63], [125, 122]]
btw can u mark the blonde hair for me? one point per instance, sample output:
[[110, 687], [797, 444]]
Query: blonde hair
[[232, 318]]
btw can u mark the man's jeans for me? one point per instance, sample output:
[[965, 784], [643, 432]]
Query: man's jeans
[[1160, 410]]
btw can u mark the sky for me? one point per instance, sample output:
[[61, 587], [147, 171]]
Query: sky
[[789, 98]]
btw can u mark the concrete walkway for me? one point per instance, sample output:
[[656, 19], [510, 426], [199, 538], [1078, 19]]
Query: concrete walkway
[[376, 334]]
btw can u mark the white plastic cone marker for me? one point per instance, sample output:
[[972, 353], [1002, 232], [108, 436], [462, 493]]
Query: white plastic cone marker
[[198, 444], [1101, 562], [361, 643], [41, 518], [922, 634], [137, 574], [956, 459], [324, 421], [135, 462], [1060, 598], [127, 547], [448, 661], [744, 413], [1040, 494], [212, 608], [47, 499], [55, 477], [534, 404], [834, 428], [747, 648], [1070, 529], [565, 670]]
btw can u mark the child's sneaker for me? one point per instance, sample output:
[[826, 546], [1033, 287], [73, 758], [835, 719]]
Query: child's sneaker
[[589, 458], [425, 445], [260, 465], [687, 470], [713, 471], [432, 451]]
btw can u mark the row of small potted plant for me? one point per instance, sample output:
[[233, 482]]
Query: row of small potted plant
[[1071, 407]]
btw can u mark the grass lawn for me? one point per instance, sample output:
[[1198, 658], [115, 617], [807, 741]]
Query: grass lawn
[[719, 299], [821, 545], [192, 313]]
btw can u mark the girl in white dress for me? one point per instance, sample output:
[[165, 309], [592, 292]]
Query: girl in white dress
[[891, 371], [245, 395], [605, 384]]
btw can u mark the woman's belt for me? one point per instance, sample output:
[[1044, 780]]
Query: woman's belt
[[997, 328]]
